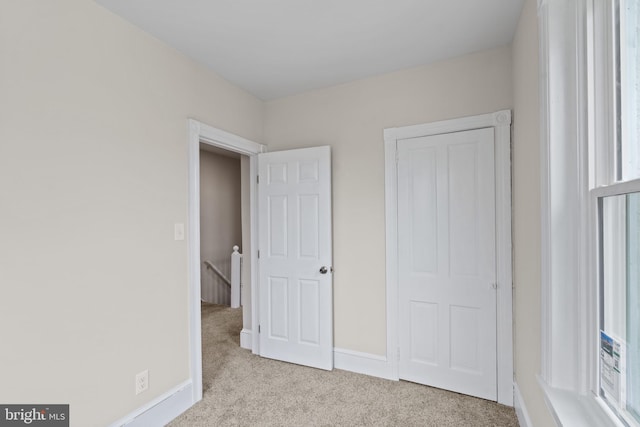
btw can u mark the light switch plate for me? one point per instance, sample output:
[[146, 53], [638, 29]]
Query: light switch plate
[[178, 231]]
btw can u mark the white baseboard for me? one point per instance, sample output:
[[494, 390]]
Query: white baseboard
[[362, 363], [161, 410], [521, 409], [245, 339]]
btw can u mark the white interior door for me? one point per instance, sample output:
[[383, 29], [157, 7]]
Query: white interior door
[[447, 262], [296, 295]]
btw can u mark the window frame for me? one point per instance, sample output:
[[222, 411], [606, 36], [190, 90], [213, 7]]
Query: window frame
[[597, 195], [606, 171], [577, 119]]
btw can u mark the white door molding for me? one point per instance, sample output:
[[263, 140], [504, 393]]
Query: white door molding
[[501, 122], [200, 132]]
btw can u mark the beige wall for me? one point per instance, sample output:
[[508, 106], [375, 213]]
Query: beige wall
[[351, 118], [526, 214], [93, 176], [220, 221]]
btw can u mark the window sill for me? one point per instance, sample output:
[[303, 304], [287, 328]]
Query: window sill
[[571, 409]]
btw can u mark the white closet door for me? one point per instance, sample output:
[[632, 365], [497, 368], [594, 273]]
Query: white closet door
[[447, 265]]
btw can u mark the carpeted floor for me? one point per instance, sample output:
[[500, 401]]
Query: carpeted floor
[[242, 389]]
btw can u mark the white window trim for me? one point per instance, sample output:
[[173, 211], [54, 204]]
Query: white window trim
[[564, 196], [575, 94]]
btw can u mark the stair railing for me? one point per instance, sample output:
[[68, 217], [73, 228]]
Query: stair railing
[[220, 274]]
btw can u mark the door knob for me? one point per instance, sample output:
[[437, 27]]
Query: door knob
[[323, 270]]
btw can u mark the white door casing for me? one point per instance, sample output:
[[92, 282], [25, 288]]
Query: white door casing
[[447, 261], [202, 133], [294, 222], [500, 121]]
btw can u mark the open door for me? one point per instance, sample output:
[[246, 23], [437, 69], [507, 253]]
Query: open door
[[295, 256]]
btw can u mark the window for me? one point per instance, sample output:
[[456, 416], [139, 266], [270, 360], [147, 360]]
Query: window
[[618, 227], [590, 221], [628, 89], [619, 362]]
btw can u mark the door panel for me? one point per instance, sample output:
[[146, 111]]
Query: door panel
[[308, 218], [463, 322], [296, 299], [424, 212], [424, 332], [309, 311], [463, 203], [277, 227], [278, 308], [447, 265]]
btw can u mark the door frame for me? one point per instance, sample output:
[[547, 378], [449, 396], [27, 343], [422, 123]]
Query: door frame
[[501, 122], [200, 132]]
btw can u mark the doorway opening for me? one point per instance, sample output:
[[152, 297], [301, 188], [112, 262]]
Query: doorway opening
[[218, 141], [222, 175], [224, 215]]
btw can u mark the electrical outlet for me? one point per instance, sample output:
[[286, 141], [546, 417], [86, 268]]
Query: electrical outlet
[[142, 381]]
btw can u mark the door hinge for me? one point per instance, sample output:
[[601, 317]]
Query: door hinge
[[258, 328], [257, 179], [258, 254]]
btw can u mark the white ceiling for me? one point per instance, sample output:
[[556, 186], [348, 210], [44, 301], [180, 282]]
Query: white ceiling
[[276, 48]]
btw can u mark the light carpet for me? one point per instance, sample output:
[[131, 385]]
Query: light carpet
[[242, 389]]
